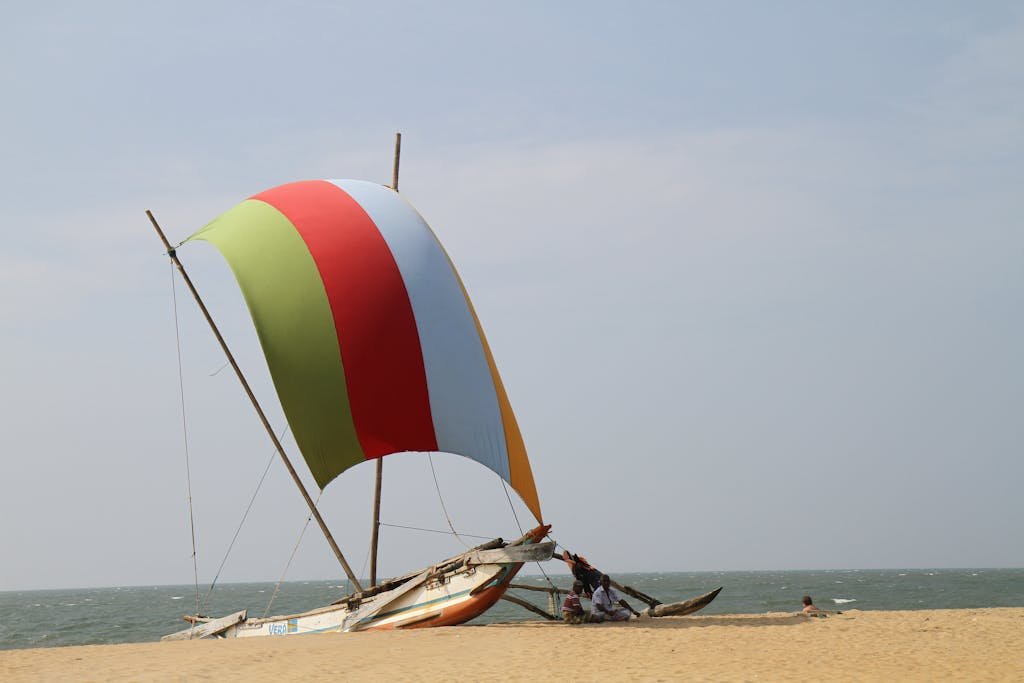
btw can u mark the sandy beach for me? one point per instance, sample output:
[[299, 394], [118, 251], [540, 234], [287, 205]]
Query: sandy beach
[[976, 644]]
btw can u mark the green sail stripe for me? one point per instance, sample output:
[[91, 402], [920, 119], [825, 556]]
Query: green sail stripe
[[286, 298]]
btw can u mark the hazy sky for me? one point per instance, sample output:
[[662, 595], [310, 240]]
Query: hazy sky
[[753, 274]]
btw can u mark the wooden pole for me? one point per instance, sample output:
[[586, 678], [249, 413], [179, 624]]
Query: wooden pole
[[530, 606], [539, 589], [259, 411], [376, 522], [375, 533], [634, 593], [398, 154]]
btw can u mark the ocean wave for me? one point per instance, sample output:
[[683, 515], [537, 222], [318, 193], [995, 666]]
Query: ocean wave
[[843, 601]]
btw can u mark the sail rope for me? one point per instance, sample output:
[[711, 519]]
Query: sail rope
[[504, 487], [430, 458], [217, 371], [234, 538], [184, 430], [277, 588], [362, 570], [433, 531]]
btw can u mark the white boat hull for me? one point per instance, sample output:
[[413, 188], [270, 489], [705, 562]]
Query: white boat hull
[[431, 598], [428, 603]]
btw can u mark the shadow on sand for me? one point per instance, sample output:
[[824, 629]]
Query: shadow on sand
[[736, 620]]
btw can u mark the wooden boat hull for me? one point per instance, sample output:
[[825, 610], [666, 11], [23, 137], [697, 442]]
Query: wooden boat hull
[[456, 601], [429, 599], [679, 609]]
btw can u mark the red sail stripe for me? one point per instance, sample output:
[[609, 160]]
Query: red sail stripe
[[380, 347]]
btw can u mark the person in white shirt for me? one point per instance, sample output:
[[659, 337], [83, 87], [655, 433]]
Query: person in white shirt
[[608, 605]]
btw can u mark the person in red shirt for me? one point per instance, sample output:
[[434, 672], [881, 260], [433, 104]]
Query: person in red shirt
[[572, 609]]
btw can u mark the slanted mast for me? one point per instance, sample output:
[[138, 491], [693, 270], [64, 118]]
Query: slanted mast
[[259, 410]]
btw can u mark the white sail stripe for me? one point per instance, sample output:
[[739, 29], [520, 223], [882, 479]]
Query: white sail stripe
[[463, 399]]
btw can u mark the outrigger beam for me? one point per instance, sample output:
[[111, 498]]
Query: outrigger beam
[[259, 411], [530, 606]]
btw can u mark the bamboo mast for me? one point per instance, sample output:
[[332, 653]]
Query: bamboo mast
[[259, 411], [380, 461], [398, 154]]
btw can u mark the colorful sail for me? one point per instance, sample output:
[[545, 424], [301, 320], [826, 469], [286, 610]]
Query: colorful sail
[[371, 340]]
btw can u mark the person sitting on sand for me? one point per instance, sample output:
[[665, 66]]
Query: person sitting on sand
[[809, 606], [572, 609], [608, 604]]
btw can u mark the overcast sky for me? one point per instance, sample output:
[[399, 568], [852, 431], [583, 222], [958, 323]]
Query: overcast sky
[[753, 274]]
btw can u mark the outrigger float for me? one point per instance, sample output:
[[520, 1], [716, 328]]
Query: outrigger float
[[374, 349]]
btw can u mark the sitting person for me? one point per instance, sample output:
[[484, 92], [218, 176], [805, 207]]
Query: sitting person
[[572, 609], [809, 606], [608, 604]]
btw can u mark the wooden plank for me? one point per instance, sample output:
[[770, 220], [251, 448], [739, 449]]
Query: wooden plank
[[209, 628], [382, 600], [390, 584], [535, 552]]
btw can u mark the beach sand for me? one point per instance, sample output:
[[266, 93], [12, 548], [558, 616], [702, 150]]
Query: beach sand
[[973, 644]]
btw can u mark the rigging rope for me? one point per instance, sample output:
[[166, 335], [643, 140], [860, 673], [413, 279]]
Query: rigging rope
[[362, 570], [277, 588], [430, 458], [184, 429], [217, 371], [504, 487], [244, 516], [433, 531]]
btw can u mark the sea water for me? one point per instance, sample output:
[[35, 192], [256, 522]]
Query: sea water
[[145, 613]]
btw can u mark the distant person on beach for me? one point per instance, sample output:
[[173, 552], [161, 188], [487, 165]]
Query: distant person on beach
[[809, 606], [572, 609], [608, 604]]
